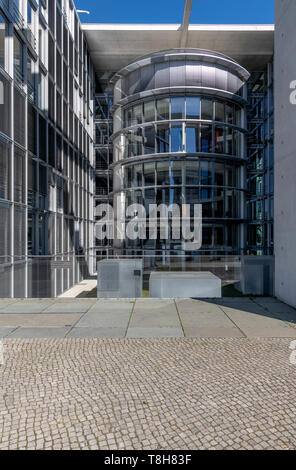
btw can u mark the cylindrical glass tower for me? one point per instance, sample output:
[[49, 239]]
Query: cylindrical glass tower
[[179, 137]]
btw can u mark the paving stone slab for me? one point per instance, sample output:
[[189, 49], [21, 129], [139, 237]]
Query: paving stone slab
[[36, 332], [26, 307], [206, 320], [280, 332], [69, 307], [244, 319], [193, 332], [191, 305], [118, 316], [136, 332], [155, 314], [5, 304], [5, 331], [38, 320], [84, 332]]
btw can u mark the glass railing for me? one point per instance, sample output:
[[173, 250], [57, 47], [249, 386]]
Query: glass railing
[[51, 276]]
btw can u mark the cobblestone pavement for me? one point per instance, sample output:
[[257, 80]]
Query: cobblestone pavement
[[235, 393]]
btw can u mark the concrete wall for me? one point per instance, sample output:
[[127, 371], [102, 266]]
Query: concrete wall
[[285, 152]]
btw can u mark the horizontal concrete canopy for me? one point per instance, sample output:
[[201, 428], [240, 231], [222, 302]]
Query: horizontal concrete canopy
[[113, 46]]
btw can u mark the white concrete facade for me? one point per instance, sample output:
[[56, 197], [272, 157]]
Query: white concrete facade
[[285, 151]]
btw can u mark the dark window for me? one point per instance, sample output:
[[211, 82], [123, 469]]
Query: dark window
[[32, 129]]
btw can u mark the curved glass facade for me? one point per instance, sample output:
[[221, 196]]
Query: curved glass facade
[[183, 146]]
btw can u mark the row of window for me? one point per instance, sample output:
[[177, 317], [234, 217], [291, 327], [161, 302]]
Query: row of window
[[190, 107], [216, 202], [177, 172], [215, 237], [179, 137]]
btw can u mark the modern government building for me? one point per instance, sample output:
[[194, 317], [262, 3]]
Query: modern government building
[[146, 114]]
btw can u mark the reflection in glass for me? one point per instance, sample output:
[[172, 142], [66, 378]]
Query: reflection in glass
[[229, 113], [219, 139], [176, 172], [149, 174], [162, 138], [192, 172], [192, 139], [219, 111], [177, 108], [149, 140], [149, 111], [207, 109], [192, 108], [137, 115], [162, 173], [205, 173], [176, 138], [163, 109], [137, 176], [206, 138]]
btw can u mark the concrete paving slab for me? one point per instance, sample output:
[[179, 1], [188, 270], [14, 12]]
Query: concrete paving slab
[[280, 332], [38, 320], [196, 306], [5, 304], [107, 316], [279, 307], [5, 331], [244, 319], [84, 332], [193, 332], [69, 307], [26, 307], [155, 314], [154, 332], [206, 320], [36, 332]]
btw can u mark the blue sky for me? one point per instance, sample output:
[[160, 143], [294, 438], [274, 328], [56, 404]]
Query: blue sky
[[171, 11]]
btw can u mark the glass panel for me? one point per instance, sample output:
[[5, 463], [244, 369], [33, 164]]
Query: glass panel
[[236, 142], [149, 198], [149, 174], [219, 174], [219, 111], [17, 59], [206, 109], [137, 115], [229, 114], [229, 174], [219, 140], [137, 176], [192, 139], [176, 172], [2, 41], [206, 173], [218, 202], [128, 117], [229, 140], [219, 236], [206, 138], [149, 140], [228, 203], [237, 116], [192, 172], [206, 237], [206, 201], [162, 138], [163, 109], [162, 173], [149, 111], [177, 108], [176, 138], [192, 108]]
